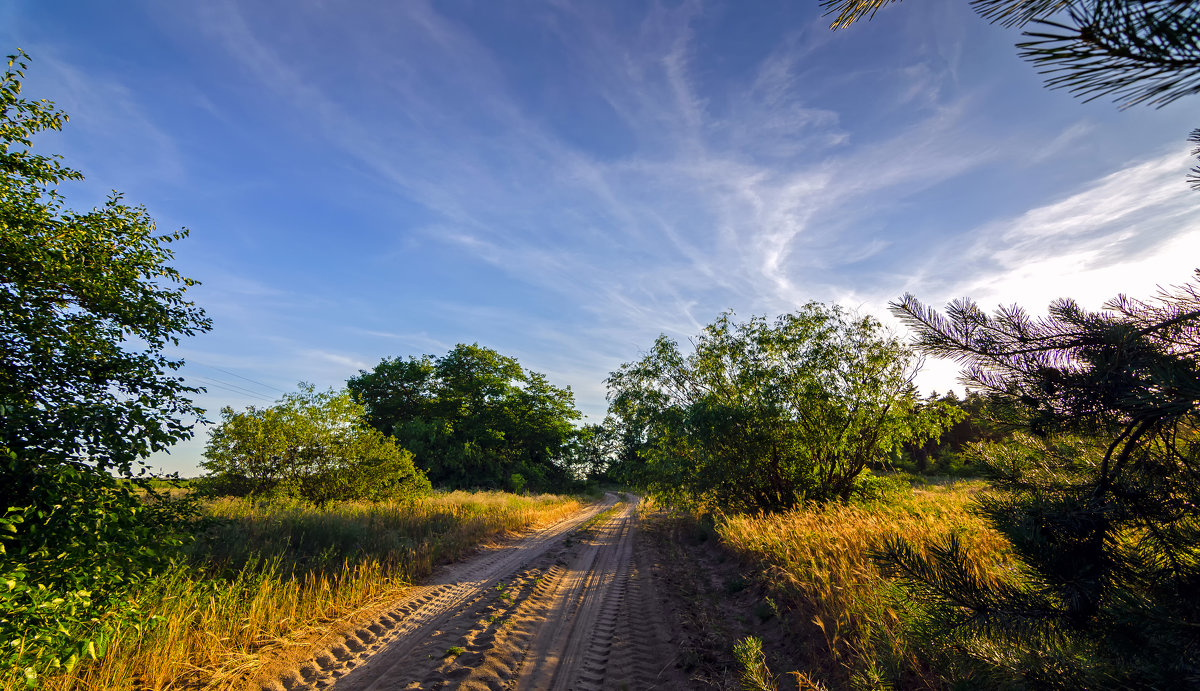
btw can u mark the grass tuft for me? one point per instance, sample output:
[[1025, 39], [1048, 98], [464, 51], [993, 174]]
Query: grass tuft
[[855, 623], [266, 575]]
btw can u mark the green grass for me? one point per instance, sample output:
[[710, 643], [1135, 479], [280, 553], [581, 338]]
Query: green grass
[[264, 576], [853, 621]]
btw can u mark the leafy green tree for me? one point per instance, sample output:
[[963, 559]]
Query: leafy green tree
[[314, 445], [951, 453], [1100, 495], [88, 307], [592, 451], [764, 416], [472, 418]]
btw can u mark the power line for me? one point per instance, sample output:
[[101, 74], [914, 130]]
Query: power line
[[232, 387], [235, 374]]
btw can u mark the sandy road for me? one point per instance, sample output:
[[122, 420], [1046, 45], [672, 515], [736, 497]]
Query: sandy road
[[569, 607]]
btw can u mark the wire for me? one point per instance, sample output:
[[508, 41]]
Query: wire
[[235, 374], [232, 387]]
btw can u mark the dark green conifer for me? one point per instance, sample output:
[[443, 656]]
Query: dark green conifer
[[1099, 493]]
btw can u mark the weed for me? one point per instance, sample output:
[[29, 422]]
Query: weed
[[736, 585], [754, 675], [454, 651], [766, 609], [820, 573], [264, 572]]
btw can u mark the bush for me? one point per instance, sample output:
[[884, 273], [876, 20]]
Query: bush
[[88, 307], [766, 416], [312, 445]]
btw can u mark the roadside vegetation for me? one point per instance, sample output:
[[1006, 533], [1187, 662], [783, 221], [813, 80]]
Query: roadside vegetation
[[262, 576], [765, 416], [1064, 551], [854, 625]]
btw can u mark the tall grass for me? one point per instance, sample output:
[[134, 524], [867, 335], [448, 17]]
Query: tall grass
[[853, 619], [265, 576]]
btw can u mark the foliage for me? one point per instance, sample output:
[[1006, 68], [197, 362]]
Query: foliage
[[754, 674], [266, 575], [845, 618], [88, 305], [472, 418], [1138, 52], [314, 445], [1100, 494], [952, 453], [1194, 173], [594, 454], [765, 416]]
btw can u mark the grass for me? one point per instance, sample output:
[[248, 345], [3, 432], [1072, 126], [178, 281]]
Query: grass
[[264, 576], [817, 562], [753, 675]]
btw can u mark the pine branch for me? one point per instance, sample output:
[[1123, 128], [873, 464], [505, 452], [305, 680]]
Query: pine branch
[[1138, 52], [1194, 174]]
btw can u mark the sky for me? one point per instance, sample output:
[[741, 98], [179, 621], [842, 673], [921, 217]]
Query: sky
[[564, 181]]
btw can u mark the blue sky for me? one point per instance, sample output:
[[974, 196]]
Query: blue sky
[[563, 181]]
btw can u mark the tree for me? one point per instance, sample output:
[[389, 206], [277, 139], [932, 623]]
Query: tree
[[945, 454], [88, 306], [1100, 495], [312, 445], [472, 418], [764, 416], [1141, 51], [1138, 51]]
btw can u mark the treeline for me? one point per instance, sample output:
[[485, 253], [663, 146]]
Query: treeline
[[470, 419], [759, 416]]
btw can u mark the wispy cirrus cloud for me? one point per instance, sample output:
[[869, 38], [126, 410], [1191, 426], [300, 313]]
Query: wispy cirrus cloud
[[1128, 231], [756, 192], [690, 210]]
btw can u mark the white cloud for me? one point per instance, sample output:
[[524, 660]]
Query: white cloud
[[753, 193], [1129, 232], [1125, 232]]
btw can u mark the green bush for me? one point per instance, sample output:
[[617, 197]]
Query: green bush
[[765, 416], [311, 445], [88, 307]]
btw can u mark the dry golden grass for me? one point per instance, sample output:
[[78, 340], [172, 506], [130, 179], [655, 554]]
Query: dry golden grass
[[818, 561], [273, 574]]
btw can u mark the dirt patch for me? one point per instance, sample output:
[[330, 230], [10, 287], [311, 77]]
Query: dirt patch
[[714, 600], [607, 599], [573, 606]]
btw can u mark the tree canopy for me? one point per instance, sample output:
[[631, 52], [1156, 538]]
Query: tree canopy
[[472, 418], [88, 307], [764, 416], [1099, 495], [314, 445]]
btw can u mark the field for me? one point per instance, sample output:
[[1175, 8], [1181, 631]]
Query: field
[[265, 576], [846, 623]]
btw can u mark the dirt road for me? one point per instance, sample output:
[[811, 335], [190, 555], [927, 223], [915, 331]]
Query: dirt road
[[569, 607]]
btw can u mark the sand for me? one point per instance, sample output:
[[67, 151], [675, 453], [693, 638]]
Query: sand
[[571, 606]]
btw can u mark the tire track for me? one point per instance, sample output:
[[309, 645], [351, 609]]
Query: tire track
[[351, 663], [585, 614], [573, 607]]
